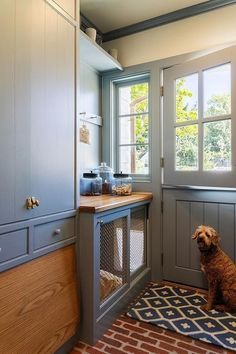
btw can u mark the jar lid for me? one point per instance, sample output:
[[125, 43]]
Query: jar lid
[[121, 175], [90, 175], [103, 168]]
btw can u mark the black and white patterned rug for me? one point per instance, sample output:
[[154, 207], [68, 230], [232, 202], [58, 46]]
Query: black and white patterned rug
[[178, 309]]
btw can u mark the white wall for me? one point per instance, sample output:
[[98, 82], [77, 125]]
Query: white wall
[[195, 33]]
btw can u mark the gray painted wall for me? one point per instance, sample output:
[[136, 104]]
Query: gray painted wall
[[90, 102]]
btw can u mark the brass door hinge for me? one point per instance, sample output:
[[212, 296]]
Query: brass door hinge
[[162, 162], [162, 91]]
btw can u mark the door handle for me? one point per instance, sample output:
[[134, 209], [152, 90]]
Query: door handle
[[32, 202]]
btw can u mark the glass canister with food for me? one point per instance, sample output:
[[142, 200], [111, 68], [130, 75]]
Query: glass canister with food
[[90, 184], [106, 173], [121, 184]]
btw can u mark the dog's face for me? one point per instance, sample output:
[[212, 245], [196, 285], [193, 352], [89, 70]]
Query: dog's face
[[206, 237]]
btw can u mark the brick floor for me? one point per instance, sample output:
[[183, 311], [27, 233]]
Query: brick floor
[[127, 335], [124, 337]]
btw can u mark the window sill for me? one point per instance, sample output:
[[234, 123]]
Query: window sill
[[200, 188]]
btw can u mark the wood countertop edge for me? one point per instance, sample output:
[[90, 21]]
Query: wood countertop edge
[[106, 202]]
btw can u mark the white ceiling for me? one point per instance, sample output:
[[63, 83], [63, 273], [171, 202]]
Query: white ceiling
[[108, 15]]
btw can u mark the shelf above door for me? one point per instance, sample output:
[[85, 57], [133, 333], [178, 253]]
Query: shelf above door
[[95, 56]]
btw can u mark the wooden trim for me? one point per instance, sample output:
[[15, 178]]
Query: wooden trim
[[167, 18], [105, 202], [62, 12]]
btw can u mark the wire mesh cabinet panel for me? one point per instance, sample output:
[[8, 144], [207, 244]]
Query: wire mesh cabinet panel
[[114, 254], [138, 240], [113, 264]]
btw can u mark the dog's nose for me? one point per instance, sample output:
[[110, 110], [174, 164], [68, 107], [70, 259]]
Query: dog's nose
[[200, 238]]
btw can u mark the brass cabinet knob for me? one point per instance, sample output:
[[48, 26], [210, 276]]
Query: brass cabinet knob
[[32, 202], [35, 201]]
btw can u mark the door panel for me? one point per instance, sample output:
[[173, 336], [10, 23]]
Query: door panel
[[52, 110], [22, 107], [37, 99], [183, 212], [14, 108], [7, 134]]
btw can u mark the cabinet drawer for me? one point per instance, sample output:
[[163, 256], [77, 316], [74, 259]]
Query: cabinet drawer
[[13, 244], [52, 232]]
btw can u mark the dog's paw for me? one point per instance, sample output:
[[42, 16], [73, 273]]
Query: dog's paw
[[221, 308], [206, 307]]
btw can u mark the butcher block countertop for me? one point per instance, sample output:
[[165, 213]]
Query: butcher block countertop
[[106, 202]]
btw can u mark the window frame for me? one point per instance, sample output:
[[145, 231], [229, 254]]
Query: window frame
[[125, 82], [200, 176]]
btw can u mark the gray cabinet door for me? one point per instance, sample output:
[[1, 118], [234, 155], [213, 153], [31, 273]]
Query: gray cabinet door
[[52, 110], [37, 107], [183, 212], [14, 109]]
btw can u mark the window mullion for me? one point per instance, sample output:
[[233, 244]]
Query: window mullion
[[200, 120], [133, 114]]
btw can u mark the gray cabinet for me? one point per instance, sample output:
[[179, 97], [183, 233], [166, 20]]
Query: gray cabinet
[[113, 263], [13, 245], [37, 129], [37, 100], [53, 232]]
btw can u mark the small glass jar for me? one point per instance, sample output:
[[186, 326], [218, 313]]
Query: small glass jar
[[106, 173], [90, 184], [121, 184]]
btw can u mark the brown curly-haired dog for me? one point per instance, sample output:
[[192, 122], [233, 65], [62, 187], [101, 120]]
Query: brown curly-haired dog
[[219, 269]]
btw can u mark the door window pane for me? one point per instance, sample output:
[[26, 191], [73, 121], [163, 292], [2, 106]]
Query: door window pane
[[186, 158], [133, 99], [186, 91], [133, 130], [217, 146], [134, 159], [217, 91]]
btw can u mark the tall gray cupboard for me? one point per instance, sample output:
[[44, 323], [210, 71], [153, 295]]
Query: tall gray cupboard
[[37, 110], [37, 175]]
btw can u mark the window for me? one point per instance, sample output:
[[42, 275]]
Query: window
[[213, 126], [133, 127], [199, 119]]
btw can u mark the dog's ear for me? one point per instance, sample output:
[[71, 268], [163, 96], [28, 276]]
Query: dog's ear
[[215, 237], [196, 233]]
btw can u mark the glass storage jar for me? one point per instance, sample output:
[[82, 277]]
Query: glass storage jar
[[90, 184], [121, 184], [106, 173]]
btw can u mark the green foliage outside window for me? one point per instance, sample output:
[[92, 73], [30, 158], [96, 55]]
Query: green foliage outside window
[[217, 134]]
